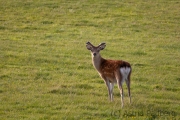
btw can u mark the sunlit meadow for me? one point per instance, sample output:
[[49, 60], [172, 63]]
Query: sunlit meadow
[[46, 70]]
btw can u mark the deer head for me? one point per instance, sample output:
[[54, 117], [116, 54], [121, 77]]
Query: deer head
[[95, 50]]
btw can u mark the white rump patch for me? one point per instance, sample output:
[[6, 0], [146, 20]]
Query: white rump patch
[[125, 72]]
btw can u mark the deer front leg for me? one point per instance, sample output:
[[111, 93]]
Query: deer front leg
[[109, 89]]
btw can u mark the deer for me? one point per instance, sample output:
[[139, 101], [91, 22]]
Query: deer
[[111, 71]]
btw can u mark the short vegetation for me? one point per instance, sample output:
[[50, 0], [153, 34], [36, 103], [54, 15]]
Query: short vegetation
[[46, 71]]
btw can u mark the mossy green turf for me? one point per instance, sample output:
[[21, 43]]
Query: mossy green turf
[[46, 70]]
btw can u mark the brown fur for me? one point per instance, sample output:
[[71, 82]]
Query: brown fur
[[109, 68]]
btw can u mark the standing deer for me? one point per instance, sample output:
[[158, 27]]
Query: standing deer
[[111, 71]]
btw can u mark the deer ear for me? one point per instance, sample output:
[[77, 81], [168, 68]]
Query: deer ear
[[102, 46], [89, 47]]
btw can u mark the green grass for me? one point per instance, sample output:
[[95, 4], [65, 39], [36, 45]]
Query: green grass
[[46, 70]]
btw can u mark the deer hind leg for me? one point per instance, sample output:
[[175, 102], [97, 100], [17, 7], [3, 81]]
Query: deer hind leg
[[128, 87], [126, 72], [120, 82], [121, 93]]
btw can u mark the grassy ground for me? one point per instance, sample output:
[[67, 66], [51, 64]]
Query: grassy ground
[[46, 70]]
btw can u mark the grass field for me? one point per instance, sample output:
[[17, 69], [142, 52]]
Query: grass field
[[46, 71]]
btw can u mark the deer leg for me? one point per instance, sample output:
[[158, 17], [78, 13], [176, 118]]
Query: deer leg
[[128, 86], [121, 93], [111, 90], [120, 82]]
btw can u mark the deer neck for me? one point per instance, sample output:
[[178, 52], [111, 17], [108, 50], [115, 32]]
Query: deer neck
[[97, 60]]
